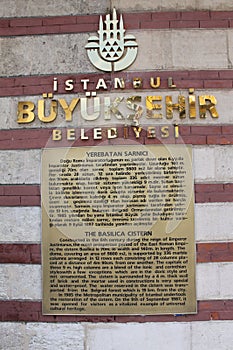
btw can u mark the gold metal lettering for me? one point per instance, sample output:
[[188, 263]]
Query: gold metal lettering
[[126, 131], [164, 132], [96, 112], [112, 133], [152, 82], [25, 112], [83, 136], [192, 104], [97, 132], [180, 106], [137, 83], [101, 84], [170, 83], [150, 106], [208, 103], [119, 82], [55, 84], [68, 109], [137, 131], [112, 107], [151, 133], [70, 134], [107, 109], [69, 85], [134, 107], [56, 135], [176, 131], [53, 109], [85, 81]]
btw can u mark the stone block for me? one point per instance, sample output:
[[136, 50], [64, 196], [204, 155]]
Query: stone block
[[51, 336], [17, 8], [148, 336], [192, 49], [214, 222], [213, 163], [224, 164], [20, 225], [171, 5], [154, 50], [204, 163], [230, 48], [226, 272], [50, 54], [13, 335], [211, 335], [20, 282], [181, 49], [214, 281], [39, 336], [208, 281], [20, 167]]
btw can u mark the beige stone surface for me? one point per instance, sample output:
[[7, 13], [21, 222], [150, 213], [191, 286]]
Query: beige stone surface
[[20, 281], [202, 49], [156, 336], [158, 50], [213, 163], [42, 336], [172, 5], [20, 167], [214, 281], [88, 336], [47, 54], [35, 8], [18, 8], [230, 48], [181, 49], [212, 335], [20, 225], [214, 222]]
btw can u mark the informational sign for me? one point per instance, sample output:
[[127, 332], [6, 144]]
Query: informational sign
[[118, 230]]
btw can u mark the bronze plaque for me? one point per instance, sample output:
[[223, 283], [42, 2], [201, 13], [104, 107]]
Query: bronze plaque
[[118, 230]]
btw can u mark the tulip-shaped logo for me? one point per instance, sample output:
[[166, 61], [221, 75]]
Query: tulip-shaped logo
[[112, 50]]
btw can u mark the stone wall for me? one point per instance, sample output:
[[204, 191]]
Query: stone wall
[[190, 41]]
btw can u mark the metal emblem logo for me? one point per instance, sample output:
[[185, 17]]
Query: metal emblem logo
[[112, 50]]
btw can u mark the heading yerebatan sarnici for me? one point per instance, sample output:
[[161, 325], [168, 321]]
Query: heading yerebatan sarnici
[[133, 111]]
